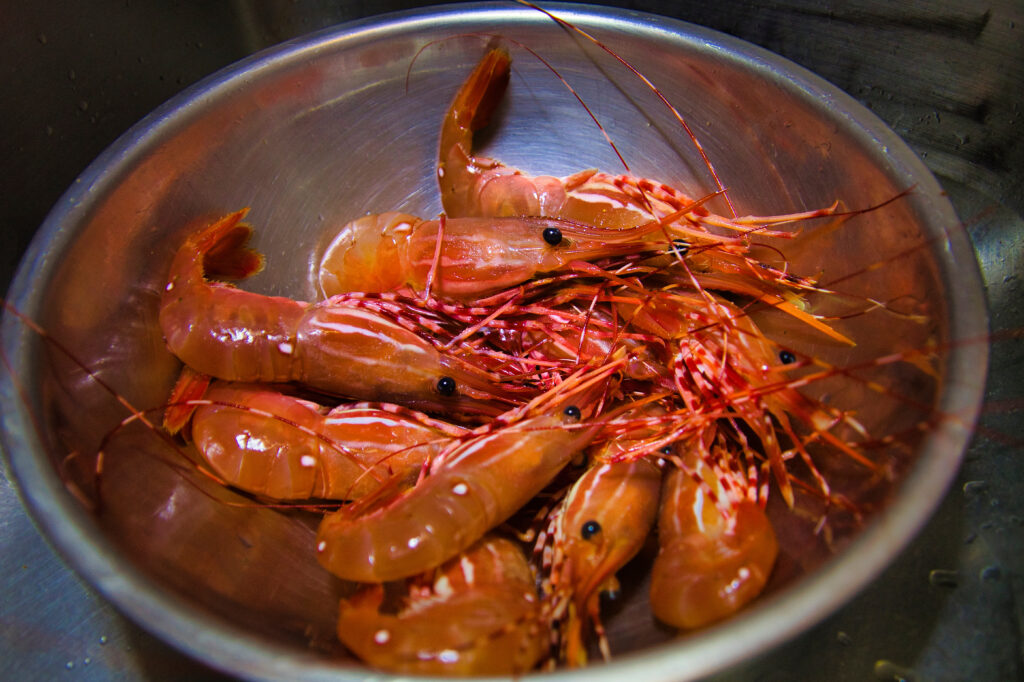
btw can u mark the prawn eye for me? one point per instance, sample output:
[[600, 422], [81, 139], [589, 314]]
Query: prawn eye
[[446, 386], [572, 412], [787, 357], [667, 450], [553, 236], [590, 529], [680, 246]]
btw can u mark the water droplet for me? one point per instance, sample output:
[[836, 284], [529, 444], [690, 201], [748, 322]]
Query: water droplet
[[42, 38], [991, 573], [83, 105], [103, 640], [844, 638], [72, 75], [69, 665], [87, 660], [941, 577], [975, 488], [49, 130], [887, 670]]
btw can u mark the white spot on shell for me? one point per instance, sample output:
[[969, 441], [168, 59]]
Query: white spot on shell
[[381, 636], [468, 570], [285, 347], [460, 489], [413, 542], [322, 546], [443, 587], [169, 287], [744, 573], [308, 461], [448, 656], [440, 172]]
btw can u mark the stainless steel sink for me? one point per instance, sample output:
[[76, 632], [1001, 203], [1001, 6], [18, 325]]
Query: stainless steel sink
[[948, 79]]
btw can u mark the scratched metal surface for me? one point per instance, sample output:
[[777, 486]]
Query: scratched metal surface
[[949, 79]]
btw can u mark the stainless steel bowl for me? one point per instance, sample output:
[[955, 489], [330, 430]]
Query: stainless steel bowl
[[325, 128]]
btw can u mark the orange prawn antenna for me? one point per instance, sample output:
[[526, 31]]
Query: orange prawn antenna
[[66, 352], [654, 89]]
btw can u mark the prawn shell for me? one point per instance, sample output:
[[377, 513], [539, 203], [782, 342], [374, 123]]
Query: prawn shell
[[476, 486], [707, 567], [287, 448], [482, 617]]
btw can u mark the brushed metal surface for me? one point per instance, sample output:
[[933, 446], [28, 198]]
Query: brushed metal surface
[[1000, 227]]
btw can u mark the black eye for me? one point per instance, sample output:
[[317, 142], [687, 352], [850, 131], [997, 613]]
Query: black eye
[[667, 450], [590, 529], [786, 357], [553, 236], [446, 386], [680, 246], [572, 412]]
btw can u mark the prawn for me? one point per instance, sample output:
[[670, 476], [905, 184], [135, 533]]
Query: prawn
[[473, 485], [716, 548], [721, 359], [477, 186], [329, 346], [602, 523], [478, 613], [286, 448], [462, 258]]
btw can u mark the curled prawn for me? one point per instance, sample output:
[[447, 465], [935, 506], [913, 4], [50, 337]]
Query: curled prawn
[[478, 186], [716, 549], [284, 447], [471, 185], [472, 486], [476, 614], [329, 346]]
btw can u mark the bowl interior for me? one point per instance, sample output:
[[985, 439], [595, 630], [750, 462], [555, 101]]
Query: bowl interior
[[322, 130]]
